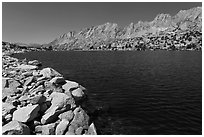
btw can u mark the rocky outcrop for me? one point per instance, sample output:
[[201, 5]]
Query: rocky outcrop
[[26, 114], [106, 34], [40, 101], [15, 128]]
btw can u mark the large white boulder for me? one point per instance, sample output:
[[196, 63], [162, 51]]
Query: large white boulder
[[26, 114]]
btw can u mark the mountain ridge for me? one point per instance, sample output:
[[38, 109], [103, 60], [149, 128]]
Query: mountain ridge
[[92, 36]]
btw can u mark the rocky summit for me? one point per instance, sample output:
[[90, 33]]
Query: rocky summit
[[39, 101], [180, 32]]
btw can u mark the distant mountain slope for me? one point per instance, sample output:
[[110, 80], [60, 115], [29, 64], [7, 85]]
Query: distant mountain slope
[[94, 36]]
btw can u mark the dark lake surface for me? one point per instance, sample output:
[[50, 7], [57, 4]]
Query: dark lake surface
[[147, 92]]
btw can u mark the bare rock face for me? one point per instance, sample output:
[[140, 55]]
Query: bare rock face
[[5, 82], [93, 37], [81, 119], [51, 115], [57, 80], [15, 128], [26, 114], [92, 130], [8, 118], [13, 84], [37, 90], [27, 73], [61, 100], [78, 93], [48, 129], [28, 81], [61, 127], [6, 92], [37, 99], [34, 62], [68, 115], [43, 107], [24, 98], [79, 131], [27, 67], [60, 103], [71, 130], [36, 73], [70, 85], [49, 73], [7, 109]]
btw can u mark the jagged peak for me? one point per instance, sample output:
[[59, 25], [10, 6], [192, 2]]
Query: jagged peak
[[108, 24], [160, 22], [191, 9], [162, 17], [69, 34]]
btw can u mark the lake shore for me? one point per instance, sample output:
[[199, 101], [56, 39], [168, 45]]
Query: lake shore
[[40, 101]]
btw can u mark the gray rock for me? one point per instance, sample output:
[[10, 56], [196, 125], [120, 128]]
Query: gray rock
[[36, 123], [5, 83], [38, 99], [43, 107], [39, 83], [28, 81], [36, 73], [68, 115], [92, 130], [71, 130], [24, 98], [6, 92], [15, 103], [13, 84], [79, 131], [78, 93], [62, 100], [58, 89], [49, 73], [26, 67], [81, 119], [57, 80], [47, 93], [70, 85], [11, 100], [26, 114], [37, 90], [51, 115], [60, 103], [8, 118], [15, 128], [61, 127], [27, 73], [7, 109], [41, 78], [48, 129], [34, 62], [49, 86], [70, 133], [83, 88]]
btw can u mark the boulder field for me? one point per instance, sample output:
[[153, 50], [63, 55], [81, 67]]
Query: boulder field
[[40, 101]]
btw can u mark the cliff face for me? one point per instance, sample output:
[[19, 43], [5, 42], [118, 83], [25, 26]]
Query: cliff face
[[97, 35]]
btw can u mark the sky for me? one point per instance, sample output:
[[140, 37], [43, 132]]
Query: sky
[[41, 23]]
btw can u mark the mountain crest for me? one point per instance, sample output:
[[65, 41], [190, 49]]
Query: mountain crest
[[93, 36]]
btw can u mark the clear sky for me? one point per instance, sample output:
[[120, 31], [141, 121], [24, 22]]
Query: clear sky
[[43, 22]]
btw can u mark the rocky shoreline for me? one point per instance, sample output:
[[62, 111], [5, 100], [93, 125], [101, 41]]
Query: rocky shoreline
[[40, 101]]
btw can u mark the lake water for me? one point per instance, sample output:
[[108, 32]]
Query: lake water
[[147, 92]]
